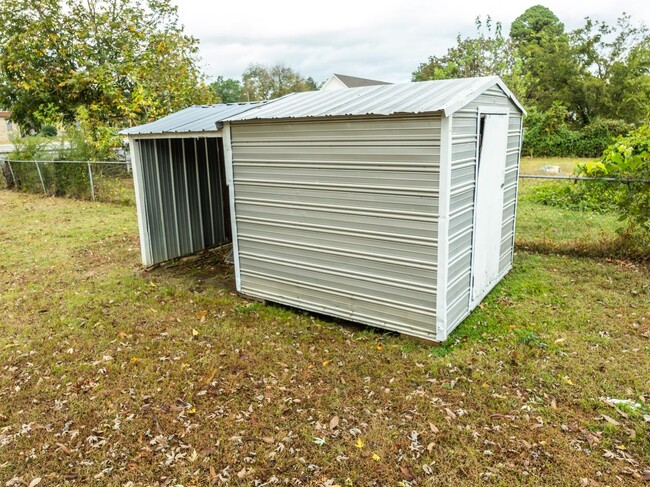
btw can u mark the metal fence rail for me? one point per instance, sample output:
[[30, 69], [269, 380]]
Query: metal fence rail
[[581, 178], [95, 180], [578, 215]]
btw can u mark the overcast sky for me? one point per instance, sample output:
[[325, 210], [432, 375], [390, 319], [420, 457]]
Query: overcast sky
[[377, 39]]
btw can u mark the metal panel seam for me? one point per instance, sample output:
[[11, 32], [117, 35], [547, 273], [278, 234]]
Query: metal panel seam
[[140, 200], [444, 187], [230, 182]]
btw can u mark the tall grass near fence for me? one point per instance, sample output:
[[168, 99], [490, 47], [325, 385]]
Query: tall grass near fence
[[68, 168], [564, 217], [580, 217]]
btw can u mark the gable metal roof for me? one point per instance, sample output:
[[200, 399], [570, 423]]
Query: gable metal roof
[[198, 118], [445, 96]]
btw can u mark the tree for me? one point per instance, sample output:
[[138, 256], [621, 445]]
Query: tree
[[545, 52], [536, 25], [265, 83], [111, 63], [228, 90], [614, 63], [487, 54]]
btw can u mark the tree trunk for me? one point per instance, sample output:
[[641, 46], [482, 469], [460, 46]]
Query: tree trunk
[[6, 174]]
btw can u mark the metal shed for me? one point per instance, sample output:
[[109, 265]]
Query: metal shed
[[179, 177], [392, 205]]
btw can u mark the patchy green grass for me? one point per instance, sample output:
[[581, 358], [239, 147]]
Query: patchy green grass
[[533, 165], [110, 375]]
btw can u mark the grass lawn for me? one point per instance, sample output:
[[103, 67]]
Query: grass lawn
[[110, 375], [533, 165]]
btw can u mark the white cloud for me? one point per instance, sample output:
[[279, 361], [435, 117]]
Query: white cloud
[[376, 39]]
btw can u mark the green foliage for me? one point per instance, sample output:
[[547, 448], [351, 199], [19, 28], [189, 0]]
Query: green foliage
[[487, 54], [531, 339], [266, 83], [26, 173], [122, 61], [551, 133], [228, 90], [582, 89], [535, 25], [593, 196], [49, 131], [613, 70], [628, 159], [543, 47]]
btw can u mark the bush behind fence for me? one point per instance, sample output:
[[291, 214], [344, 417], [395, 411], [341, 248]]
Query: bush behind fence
[[578, 216], [91, 180]]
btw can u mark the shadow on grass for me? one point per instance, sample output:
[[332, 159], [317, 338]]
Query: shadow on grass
[[620, 247]]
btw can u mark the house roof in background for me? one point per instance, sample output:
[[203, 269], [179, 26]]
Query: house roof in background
[[425, 97], [355, 82], [198, 118]]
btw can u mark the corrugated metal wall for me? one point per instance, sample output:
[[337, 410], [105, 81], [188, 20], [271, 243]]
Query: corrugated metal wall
[[185, 195], [464, 140], [340, 216]]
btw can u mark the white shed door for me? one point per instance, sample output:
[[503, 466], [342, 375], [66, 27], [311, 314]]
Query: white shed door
[[488, 210]]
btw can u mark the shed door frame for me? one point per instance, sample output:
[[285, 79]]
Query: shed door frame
[[481, 286]]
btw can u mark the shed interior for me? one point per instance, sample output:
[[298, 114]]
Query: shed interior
[[183, 196]]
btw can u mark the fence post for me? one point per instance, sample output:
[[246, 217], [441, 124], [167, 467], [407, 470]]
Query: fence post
[[13, 176], [92, 183], [40, 175]]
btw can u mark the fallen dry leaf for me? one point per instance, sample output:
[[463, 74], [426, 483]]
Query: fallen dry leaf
[[64, 448], [334, 422], [434, 428], [408, 475], [35, 482]]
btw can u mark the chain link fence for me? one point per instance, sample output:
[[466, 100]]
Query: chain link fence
[[107, 181], [556, 214], [566, 214]]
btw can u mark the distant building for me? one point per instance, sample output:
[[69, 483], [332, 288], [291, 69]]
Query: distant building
[[8, 130], [341, 81]]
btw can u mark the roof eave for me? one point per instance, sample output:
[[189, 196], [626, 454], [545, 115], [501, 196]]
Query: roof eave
[[174, 135], [451, 108]]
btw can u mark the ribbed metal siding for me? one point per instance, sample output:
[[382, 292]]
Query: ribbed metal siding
[[463, 184], [510, 188], [185, 196], [339, 216]]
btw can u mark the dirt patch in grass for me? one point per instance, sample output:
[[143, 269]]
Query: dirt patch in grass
[[110, 374]]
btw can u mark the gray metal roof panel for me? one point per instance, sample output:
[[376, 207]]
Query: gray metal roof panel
[[198, 118], [423, 97]]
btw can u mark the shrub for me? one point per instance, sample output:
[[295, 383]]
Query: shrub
[[599, 134], [628, 159], [551, 134], [49, 131], [595, 196], [32, 148]]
